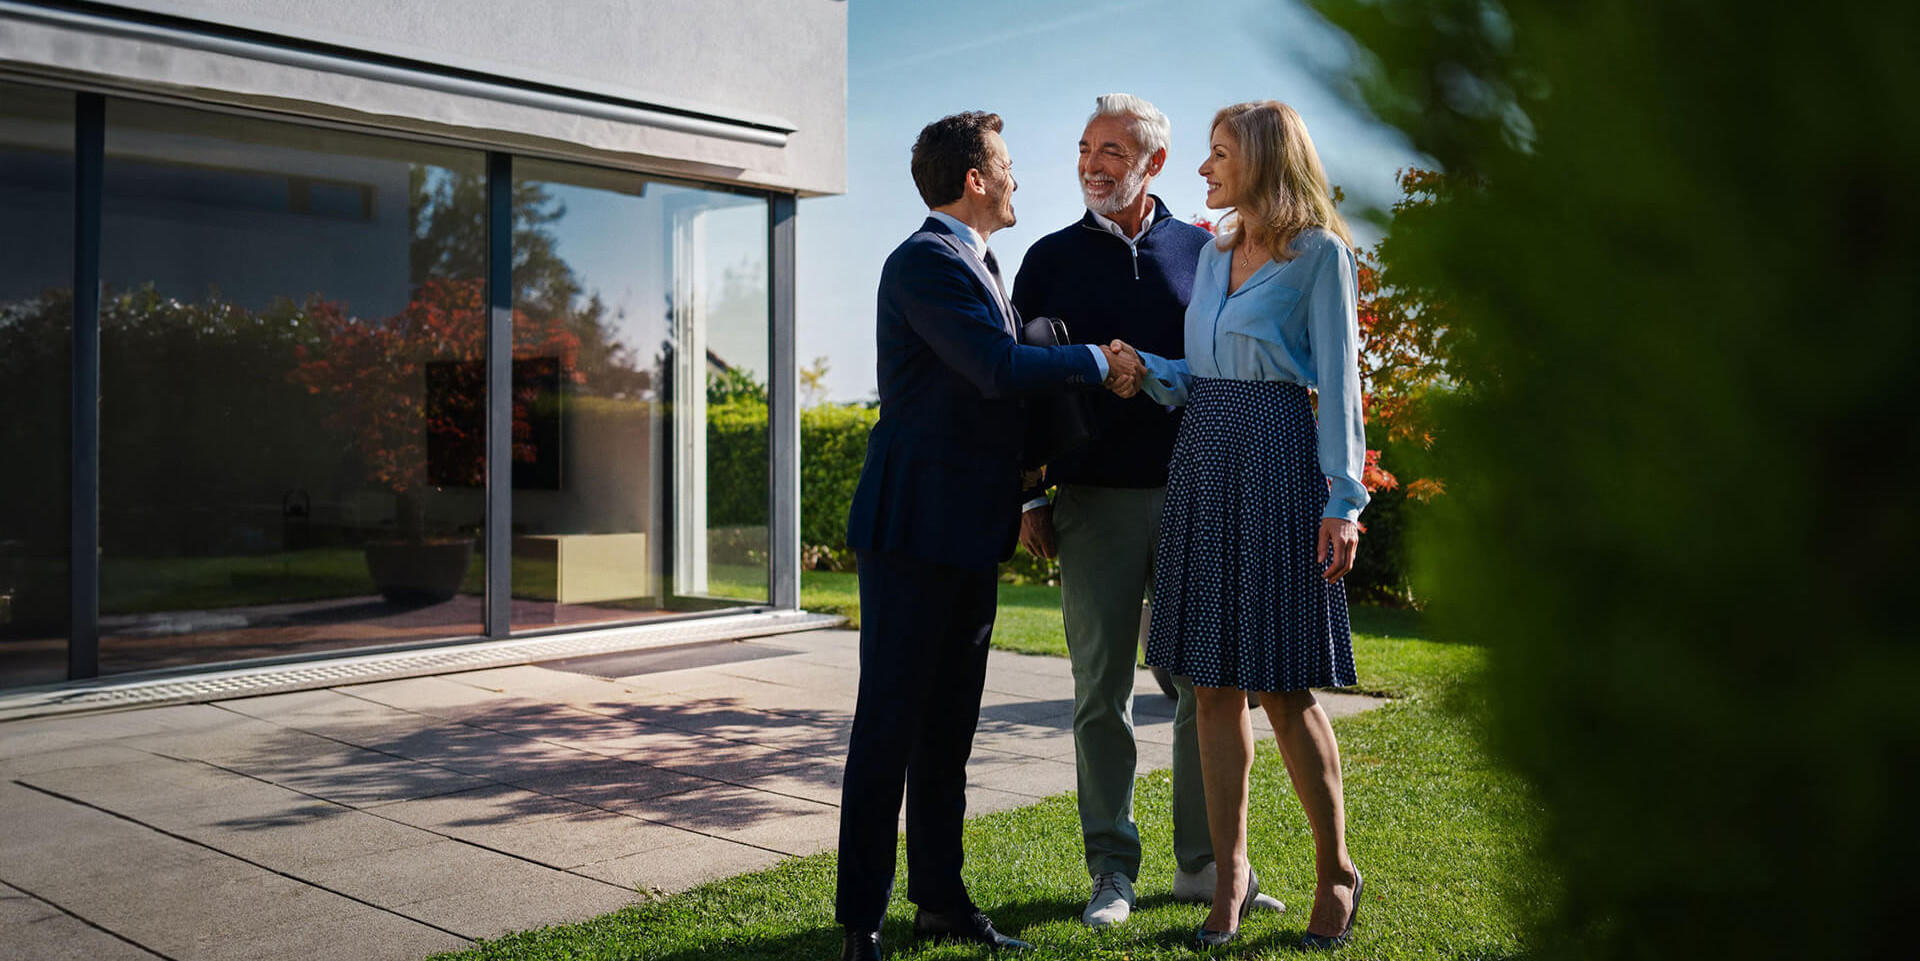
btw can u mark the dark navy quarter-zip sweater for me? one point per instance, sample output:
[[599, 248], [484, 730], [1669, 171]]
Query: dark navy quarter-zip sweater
[[1106, 289]]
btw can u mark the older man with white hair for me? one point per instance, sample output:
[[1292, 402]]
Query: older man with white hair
[[1125, 272]]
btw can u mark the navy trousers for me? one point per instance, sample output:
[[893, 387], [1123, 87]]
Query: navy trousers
[[923, 662]]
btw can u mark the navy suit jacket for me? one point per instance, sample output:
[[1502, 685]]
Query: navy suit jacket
[[941, 482]]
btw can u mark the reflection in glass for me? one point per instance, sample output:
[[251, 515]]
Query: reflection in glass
[[36, 300], [290, 428], [721, 243], [613, 307]]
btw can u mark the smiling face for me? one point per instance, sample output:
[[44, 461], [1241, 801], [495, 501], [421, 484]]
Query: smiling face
[[1113, 170], [1225, 170], [999, 183]]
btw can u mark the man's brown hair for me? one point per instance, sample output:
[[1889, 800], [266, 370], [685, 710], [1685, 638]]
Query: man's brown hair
[[946, 149]]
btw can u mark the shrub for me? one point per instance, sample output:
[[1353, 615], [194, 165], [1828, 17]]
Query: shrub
[[737, 464], [1675, 244], [833, 446]]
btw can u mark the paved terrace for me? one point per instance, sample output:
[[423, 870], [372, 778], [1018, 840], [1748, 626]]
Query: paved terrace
[[394, 819]]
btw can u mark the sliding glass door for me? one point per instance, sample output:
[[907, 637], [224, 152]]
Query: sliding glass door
[[293, 410], [640, 358], [36, 307]]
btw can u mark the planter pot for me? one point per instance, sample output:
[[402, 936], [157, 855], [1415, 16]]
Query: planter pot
[[425, 573]]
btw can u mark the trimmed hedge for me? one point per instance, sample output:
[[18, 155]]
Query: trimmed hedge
[[833, 446], [737, 464]]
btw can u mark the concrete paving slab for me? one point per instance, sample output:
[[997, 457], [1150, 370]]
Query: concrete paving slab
[[32, 928], [506, 906], [84, 755], [985, 800], [736, 763], [723, 810], [556, 687], [610, 783], [486, 806], [150, 784], [793, 672], [174, 897], [1025, 739], [1036, 778], [799, 834], [443, 697], [695, 860], [583, 836], [401, 877], [293, 836], [815, 780], [485, 753], [372, 935], [354, 777]]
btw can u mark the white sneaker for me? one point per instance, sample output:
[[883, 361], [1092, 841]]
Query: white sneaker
[[1198, 886], [1112, 900]]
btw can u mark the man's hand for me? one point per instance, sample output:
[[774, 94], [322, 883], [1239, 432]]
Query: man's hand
[[1124, 369], [1335, 545], [1036, 532]]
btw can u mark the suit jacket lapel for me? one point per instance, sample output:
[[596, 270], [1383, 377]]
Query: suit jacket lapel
[[1001, 307]]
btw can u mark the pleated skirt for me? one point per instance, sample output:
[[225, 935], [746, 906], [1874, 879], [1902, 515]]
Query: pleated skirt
[[1238, 599]]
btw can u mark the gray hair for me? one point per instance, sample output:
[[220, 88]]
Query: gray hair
[[1151, 128]]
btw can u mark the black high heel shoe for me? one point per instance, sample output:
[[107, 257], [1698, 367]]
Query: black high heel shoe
[[1213, 939], [1327, 942]]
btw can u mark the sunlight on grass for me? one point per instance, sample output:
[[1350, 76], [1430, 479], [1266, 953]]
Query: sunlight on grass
[[1441, 833]]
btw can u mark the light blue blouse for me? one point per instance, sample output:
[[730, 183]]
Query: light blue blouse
[[1295, 321]]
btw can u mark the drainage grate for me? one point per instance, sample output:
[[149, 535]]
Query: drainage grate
[[679, 658], [247, 682]]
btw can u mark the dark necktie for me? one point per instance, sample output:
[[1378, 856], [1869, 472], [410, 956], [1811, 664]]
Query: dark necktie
[[1000, 287]]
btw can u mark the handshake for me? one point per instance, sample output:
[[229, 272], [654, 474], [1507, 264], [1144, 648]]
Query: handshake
[[1124, 368]]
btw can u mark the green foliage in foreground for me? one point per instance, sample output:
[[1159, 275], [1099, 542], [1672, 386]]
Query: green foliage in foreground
[[1441, 833], [1679, 250]]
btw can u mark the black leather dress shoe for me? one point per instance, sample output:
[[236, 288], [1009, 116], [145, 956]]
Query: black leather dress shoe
[[861, 946], [967, 924]]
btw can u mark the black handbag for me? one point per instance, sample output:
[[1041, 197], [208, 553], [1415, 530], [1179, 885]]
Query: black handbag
[[1056, 423]]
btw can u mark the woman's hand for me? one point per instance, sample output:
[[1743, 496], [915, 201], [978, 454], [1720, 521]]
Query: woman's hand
[[1340, 540]]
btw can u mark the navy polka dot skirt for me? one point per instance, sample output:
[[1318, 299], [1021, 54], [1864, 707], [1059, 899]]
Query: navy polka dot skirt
[[1238, 599]]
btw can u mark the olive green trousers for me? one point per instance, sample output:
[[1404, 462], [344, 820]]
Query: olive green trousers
[[1106, 538]]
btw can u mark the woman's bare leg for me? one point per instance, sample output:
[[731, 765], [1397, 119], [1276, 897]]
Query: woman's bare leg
[[1226, 757], [1313, 763]]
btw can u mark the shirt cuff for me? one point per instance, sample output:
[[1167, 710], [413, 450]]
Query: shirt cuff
[[1341, 512], [1036, 502], [1099, 358]]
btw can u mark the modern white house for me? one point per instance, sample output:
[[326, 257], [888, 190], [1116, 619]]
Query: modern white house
[[368, 327]]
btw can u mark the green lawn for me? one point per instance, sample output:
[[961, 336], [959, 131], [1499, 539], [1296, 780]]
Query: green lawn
[[1440, 833]]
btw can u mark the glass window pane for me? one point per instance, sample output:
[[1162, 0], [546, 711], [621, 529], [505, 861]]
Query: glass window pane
[[36, 300], [622, 285], [292, 334], [731, 307]]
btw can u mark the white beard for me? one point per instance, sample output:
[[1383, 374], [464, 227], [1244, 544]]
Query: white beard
[[1124, 193]]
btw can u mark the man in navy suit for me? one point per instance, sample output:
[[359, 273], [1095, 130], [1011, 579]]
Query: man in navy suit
[[936, 510]]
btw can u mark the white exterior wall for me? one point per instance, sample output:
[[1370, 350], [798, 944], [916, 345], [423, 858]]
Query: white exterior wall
[[764, 63]]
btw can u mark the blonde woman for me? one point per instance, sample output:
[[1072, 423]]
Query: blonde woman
[[1262, 503]]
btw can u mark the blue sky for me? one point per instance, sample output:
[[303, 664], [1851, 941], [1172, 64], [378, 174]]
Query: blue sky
[[1040, 64]]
